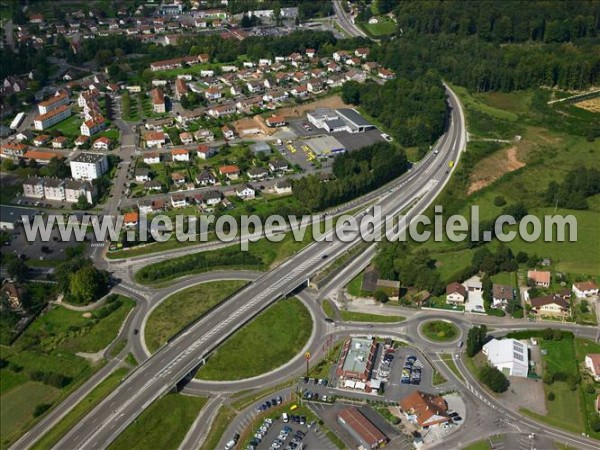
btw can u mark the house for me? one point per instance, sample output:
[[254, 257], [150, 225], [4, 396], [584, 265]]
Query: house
[[178, 201], [155, 139], [60, 142], [361, 428], [539, 277], [153, 185], [509, 356], [300, 91], [180, 155], [502, 295], [205, 135], [142, 175], [40, 140], [275, 121], [425, 409], [152, 158], [181, 88], [212, 198], [178, 178], [551, 305], [227, 132], [341, 55], [158, 101], [131, 219], [245, 192], [102, 143], [222, 111], [230, 171], [278, 165], [75, 189], [213, 93], [362, 52], [92, 126], [54, 189], [258, 173], [456, 294], [25, 135], [33, 187], [205, 178], [316, 86], [41, 157], [205, 152], [13, 150], [186, 138], [81, 140], [385, 74], [592, 362], [585, 289], [283, 187]]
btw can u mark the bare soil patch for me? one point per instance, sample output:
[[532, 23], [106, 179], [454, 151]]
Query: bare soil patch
[[333, 102], [493, 167], [591, 104]]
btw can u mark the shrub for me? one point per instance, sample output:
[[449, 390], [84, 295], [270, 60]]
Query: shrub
[[499, 201], [551, 396], [41, 409], [381, 296], [590, 389], [595, 423], [548, 378]]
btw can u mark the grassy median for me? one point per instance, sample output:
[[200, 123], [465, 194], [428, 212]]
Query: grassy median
[[267, 342], [184, 307]]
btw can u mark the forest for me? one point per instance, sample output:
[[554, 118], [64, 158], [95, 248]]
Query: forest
[[357, 173]]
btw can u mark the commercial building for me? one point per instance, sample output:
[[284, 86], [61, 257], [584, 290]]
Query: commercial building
[[362, 429], [89, 166], [508, 355], [424, 409], [356, 362], [53, 117], [343, 119], [11, 216], [325, 146]]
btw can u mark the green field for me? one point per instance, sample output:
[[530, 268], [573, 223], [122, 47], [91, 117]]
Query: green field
[[184, 307], [163, 424], [17, 407], [439, 331], [68, 127], [81, 409], [384, 27], [272, 338], [328, 308], [352, 316], [48, 347]]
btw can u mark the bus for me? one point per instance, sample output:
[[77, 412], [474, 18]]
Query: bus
[[17, 121]]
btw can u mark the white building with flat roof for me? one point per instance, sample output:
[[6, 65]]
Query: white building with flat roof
[[509, 356], [89, 166]]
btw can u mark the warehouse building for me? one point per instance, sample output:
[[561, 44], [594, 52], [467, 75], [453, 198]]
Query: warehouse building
[[325, 146], [508, 356], [362, 429], [343, 119]]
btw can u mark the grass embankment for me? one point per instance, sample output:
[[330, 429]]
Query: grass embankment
[[261, 255], [100, 392], [163, 424], [224, 417], [352, 316], [42, 367], [184, 307], [550, 145], [271, 339], [439, 331]]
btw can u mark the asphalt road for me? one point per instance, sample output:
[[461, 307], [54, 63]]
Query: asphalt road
[[172, 362], [345, 21]]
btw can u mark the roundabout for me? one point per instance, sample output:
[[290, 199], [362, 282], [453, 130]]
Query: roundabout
[[439, 331]]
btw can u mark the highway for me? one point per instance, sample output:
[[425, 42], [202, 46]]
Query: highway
[[171, 363], [345, 20]]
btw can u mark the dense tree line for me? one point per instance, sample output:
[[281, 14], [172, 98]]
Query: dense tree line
[[577, 186], [357, 173], [493, 21], [475, 340], [414, 110], [414, 268]]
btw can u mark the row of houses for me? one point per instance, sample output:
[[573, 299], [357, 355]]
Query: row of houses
[[58, 189]]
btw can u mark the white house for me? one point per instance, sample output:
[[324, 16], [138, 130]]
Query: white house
[[152, 158], [246, 192], [456, 293], [585, 289], [180, 154], [178, 201], [592, 362], [509, 356]]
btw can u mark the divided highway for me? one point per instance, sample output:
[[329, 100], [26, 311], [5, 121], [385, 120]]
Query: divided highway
[[172, 362]]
